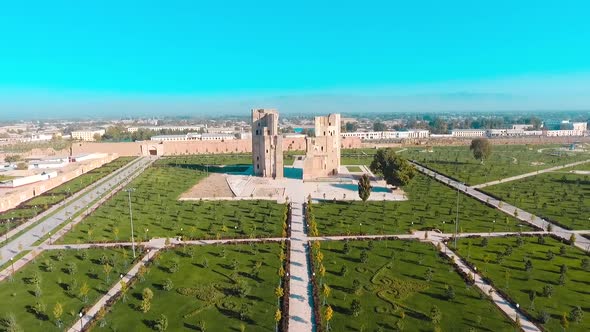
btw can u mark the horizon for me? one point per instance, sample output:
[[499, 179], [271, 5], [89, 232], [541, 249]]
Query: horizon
[[65, 60]]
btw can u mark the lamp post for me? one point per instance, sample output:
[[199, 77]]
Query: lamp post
[[81, 323], [361, 228], [129, 191], [12, 264], [49, 237], [457, 218]]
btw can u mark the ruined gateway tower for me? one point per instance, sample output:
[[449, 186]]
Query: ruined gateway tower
[[322, 153], [267, 143]]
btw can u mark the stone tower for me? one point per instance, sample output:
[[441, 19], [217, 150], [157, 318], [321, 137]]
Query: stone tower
[[267, 143], [322, 155]]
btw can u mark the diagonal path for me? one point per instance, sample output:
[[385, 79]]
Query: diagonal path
[[499, 301], [526, 175], [88, 316], [522, 215]]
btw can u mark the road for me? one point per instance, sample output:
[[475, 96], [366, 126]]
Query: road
[[26, 240]]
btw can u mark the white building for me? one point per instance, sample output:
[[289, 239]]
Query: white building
[[468, 133], [22, 181], [380, 135], [49, 163], [171, 128], [194, 137], [522, 126], [87, 135], [512, 133]]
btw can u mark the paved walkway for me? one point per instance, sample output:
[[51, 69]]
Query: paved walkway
[[522, 215], [300, 286], [526, 175], [27, 240], [498, 300]]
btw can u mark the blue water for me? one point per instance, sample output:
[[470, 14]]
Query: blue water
[[354, 187]]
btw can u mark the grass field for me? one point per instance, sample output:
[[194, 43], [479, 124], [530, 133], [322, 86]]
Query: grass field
[[157, 212], [582, 167], [354, 169], [429, 204], [59, 276], [511, 276], [561, 197], [5, 177], [357, 156], [198, 161], [394, 291], [505, 161], [36, 205], [218, 287]]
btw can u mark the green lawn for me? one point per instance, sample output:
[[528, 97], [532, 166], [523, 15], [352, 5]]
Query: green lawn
[[354, 169], [518, 283], [157, 212], [561, 197], [582, 167], [393, 289], [198, 161], [36, 205], [5, 177], [505, 161], [217, 286], [32, 306], [357, 156], [430, 203]]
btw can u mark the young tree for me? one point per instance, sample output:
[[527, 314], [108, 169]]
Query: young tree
[[364, 187], [435, 315], [428, 275], [576, 315], [396, 170], [364, 256], [124, 289], [346, 248], [84, 289], [564, 322], [449, 292], [57, 312], [481, 149], [355, 308], [161, 323], [278, 316], [328, 314], [356, 286]]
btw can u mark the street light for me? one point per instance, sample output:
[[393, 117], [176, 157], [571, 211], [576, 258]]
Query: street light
[[12, 264], [457, 218], [81, 324], [129, 191], [360, 228], [49, 237]]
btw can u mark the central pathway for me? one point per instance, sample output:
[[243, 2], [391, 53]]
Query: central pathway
[[300, 286]]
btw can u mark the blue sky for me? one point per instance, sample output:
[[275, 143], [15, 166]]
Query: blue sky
[[191, 57]]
